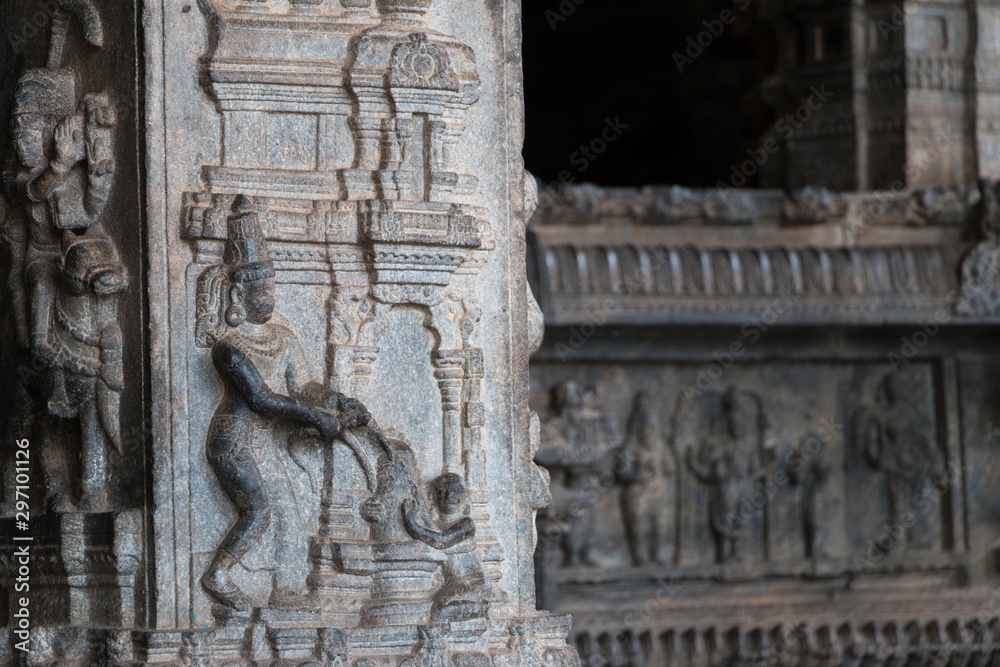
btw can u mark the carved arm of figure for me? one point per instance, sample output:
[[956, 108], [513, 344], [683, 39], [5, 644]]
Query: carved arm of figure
[[455, 533], [350, 411], [234, 365], [14, 234], [706, 474], [101, 122], [70, 151]]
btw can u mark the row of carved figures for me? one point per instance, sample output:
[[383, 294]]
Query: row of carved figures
[[730, 455]]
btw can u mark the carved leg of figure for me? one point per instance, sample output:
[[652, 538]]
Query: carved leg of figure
[[898, 497], [634, 527], [288, 592], [43, 277], [54, 457], [663, 521], [93, 460], [239, 476], [721, 543], [735, 555], [656, 534]]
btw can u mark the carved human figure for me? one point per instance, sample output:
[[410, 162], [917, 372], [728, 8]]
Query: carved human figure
[[727, 463], [64, 281], [65, 172], [85, 364], [466, 589], [809, 470], [645, 467], [577, 443], [899, 443], [266, 378]]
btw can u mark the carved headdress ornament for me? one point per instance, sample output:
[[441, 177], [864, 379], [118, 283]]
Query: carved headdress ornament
[[46, 91], [246, 254]]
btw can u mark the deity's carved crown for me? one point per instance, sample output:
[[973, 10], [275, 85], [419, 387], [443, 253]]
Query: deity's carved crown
[[246, 253], [46, 91]]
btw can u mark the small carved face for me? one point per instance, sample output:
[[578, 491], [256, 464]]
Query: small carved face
[[449, 493], [258, 299], [742, 415], [32, 135]]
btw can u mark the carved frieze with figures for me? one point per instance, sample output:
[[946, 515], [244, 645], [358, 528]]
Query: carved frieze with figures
[[792, 471]]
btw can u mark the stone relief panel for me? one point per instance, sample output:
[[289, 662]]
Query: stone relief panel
[[330, 234], [71, 379], [704, 483]]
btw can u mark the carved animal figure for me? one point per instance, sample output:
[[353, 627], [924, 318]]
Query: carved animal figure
[[398, 481]]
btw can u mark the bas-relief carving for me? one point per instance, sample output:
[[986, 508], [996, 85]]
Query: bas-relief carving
[[578, 443], [646, 470], [828, 493], [401, 554], [895, 434], [257, 360], [66, 275], [727, 459], [723, 484]]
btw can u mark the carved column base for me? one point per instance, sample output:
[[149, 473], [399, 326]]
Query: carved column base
[[340, 580], [82, 567], [290, 639], [402, 586]]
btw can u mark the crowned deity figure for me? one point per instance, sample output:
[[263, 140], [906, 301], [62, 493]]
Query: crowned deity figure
[[65, 169], [266, 378], [728, 463]]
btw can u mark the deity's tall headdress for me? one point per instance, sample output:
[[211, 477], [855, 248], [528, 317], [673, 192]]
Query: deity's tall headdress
[[245, 259], [51, 92], [246, 254]]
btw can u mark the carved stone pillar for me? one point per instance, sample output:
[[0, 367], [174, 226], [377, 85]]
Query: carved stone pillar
[[235, 327]]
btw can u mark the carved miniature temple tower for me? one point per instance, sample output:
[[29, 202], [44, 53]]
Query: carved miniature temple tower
[[334, 328], [873, 93]]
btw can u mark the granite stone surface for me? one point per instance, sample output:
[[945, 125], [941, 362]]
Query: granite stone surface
[[269, 329]]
